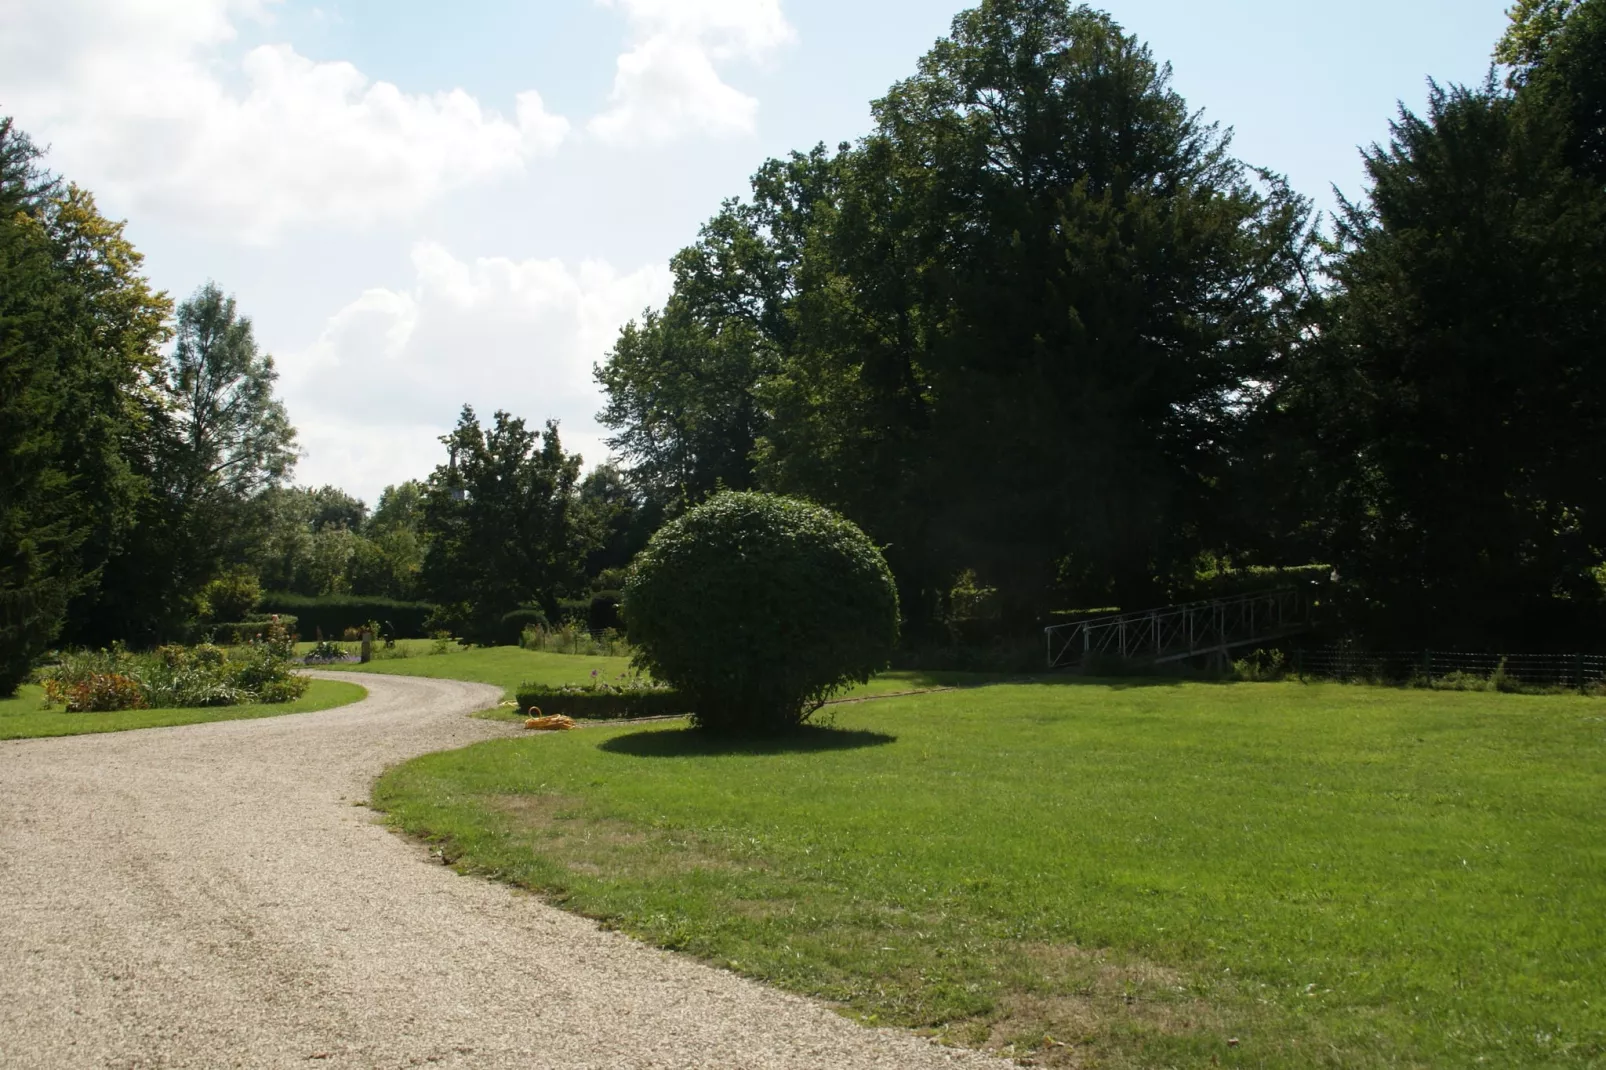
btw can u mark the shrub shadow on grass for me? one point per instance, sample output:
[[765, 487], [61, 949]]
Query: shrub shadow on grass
[[696, 743]]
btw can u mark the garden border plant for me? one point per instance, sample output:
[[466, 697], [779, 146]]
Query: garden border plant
[[176, 677]]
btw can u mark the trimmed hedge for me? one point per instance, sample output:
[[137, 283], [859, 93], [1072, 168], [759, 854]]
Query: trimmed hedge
[[760, 608], [1241, 581], [239, 633], [603, 705], [511, 630], [604, 612], [333, 614]]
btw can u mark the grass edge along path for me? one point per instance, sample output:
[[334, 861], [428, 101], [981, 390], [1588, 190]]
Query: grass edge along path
[[1136, 874], [23, 718]]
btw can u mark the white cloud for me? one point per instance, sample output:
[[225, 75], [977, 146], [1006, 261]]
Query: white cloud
[[389, 371], [141, 103], [667, 85]]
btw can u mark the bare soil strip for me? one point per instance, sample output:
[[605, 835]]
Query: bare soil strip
[[218, 896]]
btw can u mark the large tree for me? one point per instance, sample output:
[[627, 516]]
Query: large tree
[[1016, 329], [79, 331], [1455, 403], [219, 439], [500, 516]]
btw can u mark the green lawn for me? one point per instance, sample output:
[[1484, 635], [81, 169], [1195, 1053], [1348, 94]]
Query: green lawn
[[1128, 875], [509, 666], [504, 666], [25, 716]]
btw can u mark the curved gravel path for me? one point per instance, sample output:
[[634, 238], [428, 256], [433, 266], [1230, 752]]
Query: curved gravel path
[[217, 896]]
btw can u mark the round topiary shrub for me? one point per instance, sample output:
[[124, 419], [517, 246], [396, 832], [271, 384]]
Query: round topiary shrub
[[758, 608]]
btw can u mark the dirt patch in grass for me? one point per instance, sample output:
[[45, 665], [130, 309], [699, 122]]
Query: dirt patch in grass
[[600, 847], [1065, 1005]]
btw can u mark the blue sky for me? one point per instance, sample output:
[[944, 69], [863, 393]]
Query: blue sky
[[423, 205]]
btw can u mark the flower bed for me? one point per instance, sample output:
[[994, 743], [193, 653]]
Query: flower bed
[[175, 677]]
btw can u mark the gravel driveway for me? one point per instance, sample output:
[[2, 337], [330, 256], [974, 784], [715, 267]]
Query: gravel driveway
[[217, 896]]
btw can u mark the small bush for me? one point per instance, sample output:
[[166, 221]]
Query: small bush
[[758, 608], [572, 638], [232, 596], [1261, 666], [99, 692], [325, 651], [603, 612], [239, 633], [513, 625]]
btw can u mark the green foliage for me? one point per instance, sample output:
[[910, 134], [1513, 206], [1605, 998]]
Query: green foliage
[[1226, 582], [220, 438], [241, 633], [1453, 405], [79, 334], [326, 650], [1260, 666], [627, 695], [514, 625], [1562, 66], [1535, 26], [574, 637], [758, 608], [502, 525], [232, 596], [329, 616], [173, 677], [986, 267]]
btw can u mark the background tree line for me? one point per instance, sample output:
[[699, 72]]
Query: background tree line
[[1041, 333], [145, 465]]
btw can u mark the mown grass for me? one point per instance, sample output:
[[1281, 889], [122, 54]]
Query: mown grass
[[26, 716], [1267, 875], [502, 666], [509, 666]]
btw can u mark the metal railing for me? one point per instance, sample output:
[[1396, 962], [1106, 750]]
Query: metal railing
[[1176, 633]]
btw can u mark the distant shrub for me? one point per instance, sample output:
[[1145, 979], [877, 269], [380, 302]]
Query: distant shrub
[[1260, 666], [232, 596], [240, 633], [326, 651], [573, 611], [572, 638], [603, 613], [329, 616], [758, 608], [513, 625]]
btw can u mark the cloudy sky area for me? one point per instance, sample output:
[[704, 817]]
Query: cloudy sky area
[[422, 205]]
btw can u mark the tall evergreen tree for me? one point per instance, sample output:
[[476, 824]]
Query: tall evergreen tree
[[1457, 396], [501, 523]]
